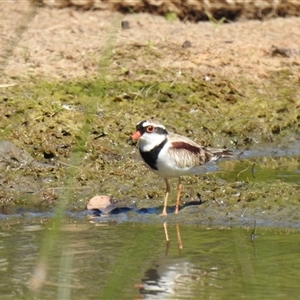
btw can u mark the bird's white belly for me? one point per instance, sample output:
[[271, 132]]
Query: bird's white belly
[[167, 168]]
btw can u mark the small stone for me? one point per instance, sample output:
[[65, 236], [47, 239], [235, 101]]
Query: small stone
[[102, 202], [125, 25], [186, 44], [287, 52]]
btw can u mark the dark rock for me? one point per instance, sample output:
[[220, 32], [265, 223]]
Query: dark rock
[[125, 25], [186, 44], [13, 157]]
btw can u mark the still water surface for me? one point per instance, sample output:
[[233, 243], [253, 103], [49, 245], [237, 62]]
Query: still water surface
[[134, 261]]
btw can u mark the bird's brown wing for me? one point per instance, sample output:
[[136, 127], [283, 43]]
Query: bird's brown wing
[[187, 153]]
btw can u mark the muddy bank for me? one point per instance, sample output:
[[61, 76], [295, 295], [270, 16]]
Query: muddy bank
[[75, 138]]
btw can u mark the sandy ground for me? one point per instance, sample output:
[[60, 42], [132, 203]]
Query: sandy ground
[[67, 43]]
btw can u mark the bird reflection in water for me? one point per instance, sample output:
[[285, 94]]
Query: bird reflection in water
[[170, 276]]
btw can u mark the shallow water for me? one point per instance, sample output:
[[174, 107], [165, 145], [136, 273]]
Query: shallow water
[[134, 261]]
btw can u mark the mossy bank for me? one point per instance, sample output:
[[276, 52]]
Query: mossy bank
[[81, 129]]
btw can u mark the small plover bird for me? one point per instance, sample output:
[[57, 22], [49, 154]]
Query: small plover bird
[[171, 155]]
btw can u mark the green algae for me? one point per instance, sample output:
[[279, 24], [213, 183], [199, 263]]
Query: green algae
[[95, 117]]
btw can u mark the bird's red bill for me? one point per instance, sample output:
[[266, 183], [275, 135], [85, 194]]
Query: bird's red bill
[[136, 135]]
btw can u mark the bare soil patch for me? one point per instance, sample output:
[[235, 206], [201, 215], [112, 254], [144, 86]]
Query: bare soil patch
[[67, 43]]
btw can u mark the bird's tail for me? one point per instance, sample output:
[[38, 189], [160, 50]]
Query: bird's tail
[[220, 153]]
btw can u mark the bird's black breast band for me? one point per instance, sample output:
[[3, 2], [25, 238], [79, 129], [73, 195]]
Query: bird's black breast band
[[150, 157]]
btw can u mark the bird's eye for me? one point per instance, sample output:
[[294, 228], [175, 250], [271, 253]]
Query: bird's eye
[[150, 128]]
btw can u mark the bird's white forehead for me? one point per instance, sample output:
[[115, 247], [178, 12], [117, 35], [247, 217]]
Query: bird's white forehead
[[151, 122]]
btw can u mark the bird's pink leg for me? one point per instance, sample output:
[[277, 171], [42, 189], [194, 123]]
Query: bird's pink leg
[[179, 188], [164, 212]]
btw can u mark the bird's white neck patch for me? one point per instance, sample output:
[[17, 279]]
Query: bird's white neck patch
[[150, 140]]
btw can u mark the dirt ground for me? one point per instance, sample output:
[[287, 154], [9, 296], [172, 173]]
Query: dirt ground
[[69, 43]]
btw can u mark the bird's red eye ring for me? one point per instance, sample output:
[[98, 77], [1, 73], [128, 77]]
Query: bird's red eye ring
[[150, 128]]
